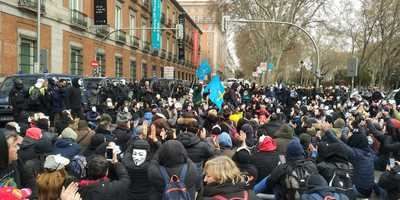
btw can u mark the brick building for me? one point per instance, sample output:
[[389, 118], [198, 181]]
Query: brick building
[[70, 40], [207, 15]]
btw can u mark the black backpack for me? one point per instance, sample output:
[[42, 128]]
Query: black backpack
[[295, 181], [342, 176], [175, 188]]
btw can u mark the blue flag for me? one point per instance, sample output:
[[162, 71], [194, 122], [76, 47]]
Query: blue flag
[[217, 90], [203, 70]]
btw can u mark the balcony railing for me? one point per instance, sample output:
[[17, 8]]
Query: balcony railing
[[146, 47], [31, 5], [155, 52], [79, 19], [163, 54], [120, 37], [134, 42], [169, 56], [102, 31]]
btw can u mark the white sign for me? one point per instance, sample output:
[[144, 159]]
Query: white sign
[[169, 72], [255, 74]]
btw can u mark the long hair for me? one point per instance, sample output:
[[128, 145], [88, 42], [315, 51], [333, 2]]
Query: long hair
[[50, 184], [223, 170], [4, 136]]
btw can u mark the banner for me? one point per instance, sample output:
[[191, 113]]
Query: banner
[[100, 12], [156, 24], [195, 57]]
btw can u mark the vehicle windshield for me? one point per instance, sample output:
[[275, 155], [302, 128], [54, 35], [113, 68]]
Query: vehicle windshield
[[8, 84], [91, 83]]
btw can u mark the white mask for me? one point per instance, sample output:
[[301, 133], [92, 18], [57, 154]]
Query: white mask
[[126, 109], [94, 109], [139, 156]]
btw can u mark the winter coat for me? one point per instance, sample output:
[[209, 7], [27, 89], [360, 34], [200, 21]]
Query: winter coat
[[172, 155], [390, 181], [74, 96], [57, 99], [140, 183], [27, 149], [227, 190], [66, 147], [362, 160], [106, 189], [15, 175], [105, 133], [198, 151], [265, 162], [84, 138], [18, 98]]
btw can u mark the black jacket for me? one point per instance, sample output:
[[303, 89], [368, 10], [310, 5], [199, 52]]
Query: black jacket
[[74, 96], [113, 189], [390, 181], [140, 183], [265, 162], [121, 137], [15, 172], [198, 151], [17, 98], [227, 190]]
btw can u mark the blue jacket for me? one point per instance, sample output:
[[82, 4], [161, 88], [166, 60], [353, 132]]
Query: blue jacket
[[363, 163], [66, 147]]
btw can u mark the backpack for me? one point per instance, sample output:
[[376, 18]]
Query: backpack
[[34, 95], [295, 180], [175, 188], [329, 196], [77, 166], [233, 132], [220, 197], [342, 176]]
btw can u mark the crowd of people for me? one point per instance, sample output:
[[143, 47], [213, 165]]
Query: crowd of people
[[144, 141]]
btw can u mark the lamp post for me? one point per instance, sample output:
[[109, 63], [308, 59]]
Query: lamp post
[[37, 65]]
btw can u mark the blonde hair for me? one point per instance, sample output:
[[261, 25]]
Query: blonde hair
[[223, 170], [50, 184]]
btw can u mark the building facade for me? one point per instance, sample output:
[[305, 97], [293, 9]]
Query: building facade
[[206, 14], [70, 41]]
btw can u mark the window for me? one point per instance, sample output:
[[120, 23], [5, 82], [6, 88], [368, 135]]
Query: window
[[118, 16], [144, 32], [101, 60], [161, 72], [75, 5], [118, 67], [167, 13], [76, 61], [132, 23], [167, 45], [154, 71], [173, 47], [27, 55], [133, 70], [144, 70]]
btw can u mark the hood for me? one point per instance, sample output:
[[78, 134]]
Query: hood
[[171, 154], [44, 146], [285, 131], [75, 83], [214, 189], [27, 143], [188, 139], [137, 144], [63, 143], [332, 152], [359, 141]]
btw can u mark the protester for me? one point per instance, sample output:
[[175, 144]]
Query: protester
[[223, 180]]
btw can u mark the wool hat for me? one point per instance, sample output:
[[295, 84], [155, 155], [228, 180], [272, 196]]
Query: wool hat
[[141, 144], [224, 139], [359, 141], [105, 119], [55, 162], [34, 133], [339, 123], [69, 133], [15, 126], [305, 139], [267, 144], [295, 150]]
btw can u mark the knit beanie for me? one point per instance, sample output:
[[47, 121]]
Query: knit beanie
[[34, 133], [224, 139], [69, 133], [339, 123], [267, 144], [295, 150]]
